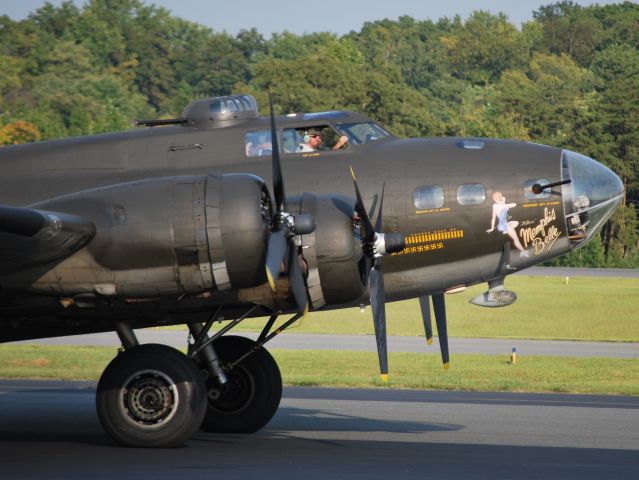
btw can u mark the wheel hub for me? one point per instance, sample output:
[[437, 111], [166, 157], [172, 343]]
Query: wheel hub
[[150, 398], [233, 396]]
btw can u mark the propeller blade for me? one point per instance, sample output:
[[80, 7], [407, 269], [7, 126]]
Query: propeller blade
[[424, 303], [378, 306], [375, 276], [296, 279], [276, 251], [281, 245], [368, 232], [278, 180], [439, 306]]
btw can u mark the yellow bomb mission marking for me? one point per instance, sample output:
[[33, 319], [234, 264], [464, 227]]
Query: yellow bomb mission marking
[[429, 241]]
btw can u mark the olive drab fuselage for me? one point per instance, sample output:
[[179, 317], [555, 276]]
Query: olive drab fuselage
[[179, 241]]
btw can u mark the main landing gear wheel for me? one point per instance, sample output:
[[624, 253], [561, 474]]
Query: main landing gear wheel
[[151, 396], [252, 394]]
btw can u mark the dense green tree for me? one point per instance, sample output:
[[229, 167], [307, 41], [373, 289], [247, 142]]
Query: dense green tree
[[480, 50], [569, 29], [12, 69], [412, 47], [72, 96], [321, 82], [549, 96], [591, 255], [251, 43], [289, 46], [617, 113], [621, 237], [101, 28], [618, 22], [479, 116]]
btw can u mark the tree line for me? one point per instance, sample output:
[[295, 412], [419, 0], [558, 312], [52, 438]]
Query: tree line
[[568, 78]]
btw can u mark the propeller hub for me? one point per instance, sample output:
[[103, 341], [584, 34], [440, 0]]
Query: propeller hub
[[387, 243], [301, 224], [304, 224]]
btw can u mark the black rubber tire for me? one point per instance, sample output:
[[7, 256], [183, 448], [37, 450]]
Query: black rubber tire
[[151, 396], [253, 392]]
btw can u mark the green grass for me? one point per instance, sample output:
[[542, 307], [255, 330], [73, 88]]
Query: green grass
[[54, 362], [603, 309], [467, 372], [359, 369]]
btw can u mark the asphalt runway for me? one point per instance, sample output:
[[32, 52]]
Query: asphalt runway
[[49, 430]]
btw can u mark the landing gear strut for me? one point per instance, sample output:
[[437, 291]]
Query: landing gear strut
[[253, 389]]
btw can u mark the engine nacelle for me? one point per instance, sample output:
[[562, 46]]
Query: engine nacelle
[[165, 236], [333, 252]]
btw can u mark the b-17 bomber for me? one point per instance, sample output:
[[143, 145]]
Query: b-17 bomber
[[223, 214]]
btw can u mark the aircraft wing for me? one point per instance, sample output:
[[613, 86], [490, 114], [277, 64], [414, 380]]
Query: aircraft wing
[[30, 237]]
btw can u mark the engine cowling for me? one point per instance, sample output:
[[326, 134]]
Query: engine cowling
[[165, 236], [333, 251]]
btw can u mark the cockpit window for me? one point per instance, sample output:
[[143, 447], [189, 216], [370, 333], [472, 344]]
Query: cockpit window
[[310, 139], [258, 143], [360, 133]]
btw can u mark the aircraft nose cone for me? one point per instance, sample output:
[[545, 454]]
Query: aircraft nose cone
[[590, 198]]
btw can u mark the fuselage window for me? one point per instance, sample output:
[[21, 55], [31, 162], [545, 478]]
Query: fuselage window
[[427, 197], [530, 195], [257, 144], [471, 194]]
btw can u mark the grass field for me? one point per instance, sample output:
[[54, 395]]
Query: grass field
[[547, 308], [359, 369]]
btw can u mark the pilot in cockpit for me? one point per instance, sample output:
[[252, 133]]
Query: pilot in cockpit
[[312, 140]]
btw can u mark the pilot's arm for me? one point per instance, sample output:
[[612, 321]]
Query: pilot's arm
[[343, 140]]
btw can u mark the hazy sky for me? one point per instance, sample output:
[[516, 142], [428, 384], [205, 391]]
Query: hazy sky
[[338, 16]]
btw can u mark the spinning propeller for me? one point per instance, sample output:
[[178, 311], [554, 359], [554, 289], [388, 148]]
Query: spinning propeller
[[375, 244], [284, 227]]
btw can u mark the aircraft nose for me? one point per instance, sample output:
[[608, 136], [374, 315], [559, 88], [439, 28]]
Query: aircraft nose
[[590, 198]]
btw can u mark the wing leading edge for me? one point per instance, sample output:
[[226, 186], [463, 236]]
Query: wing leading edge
[[30, 237]]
